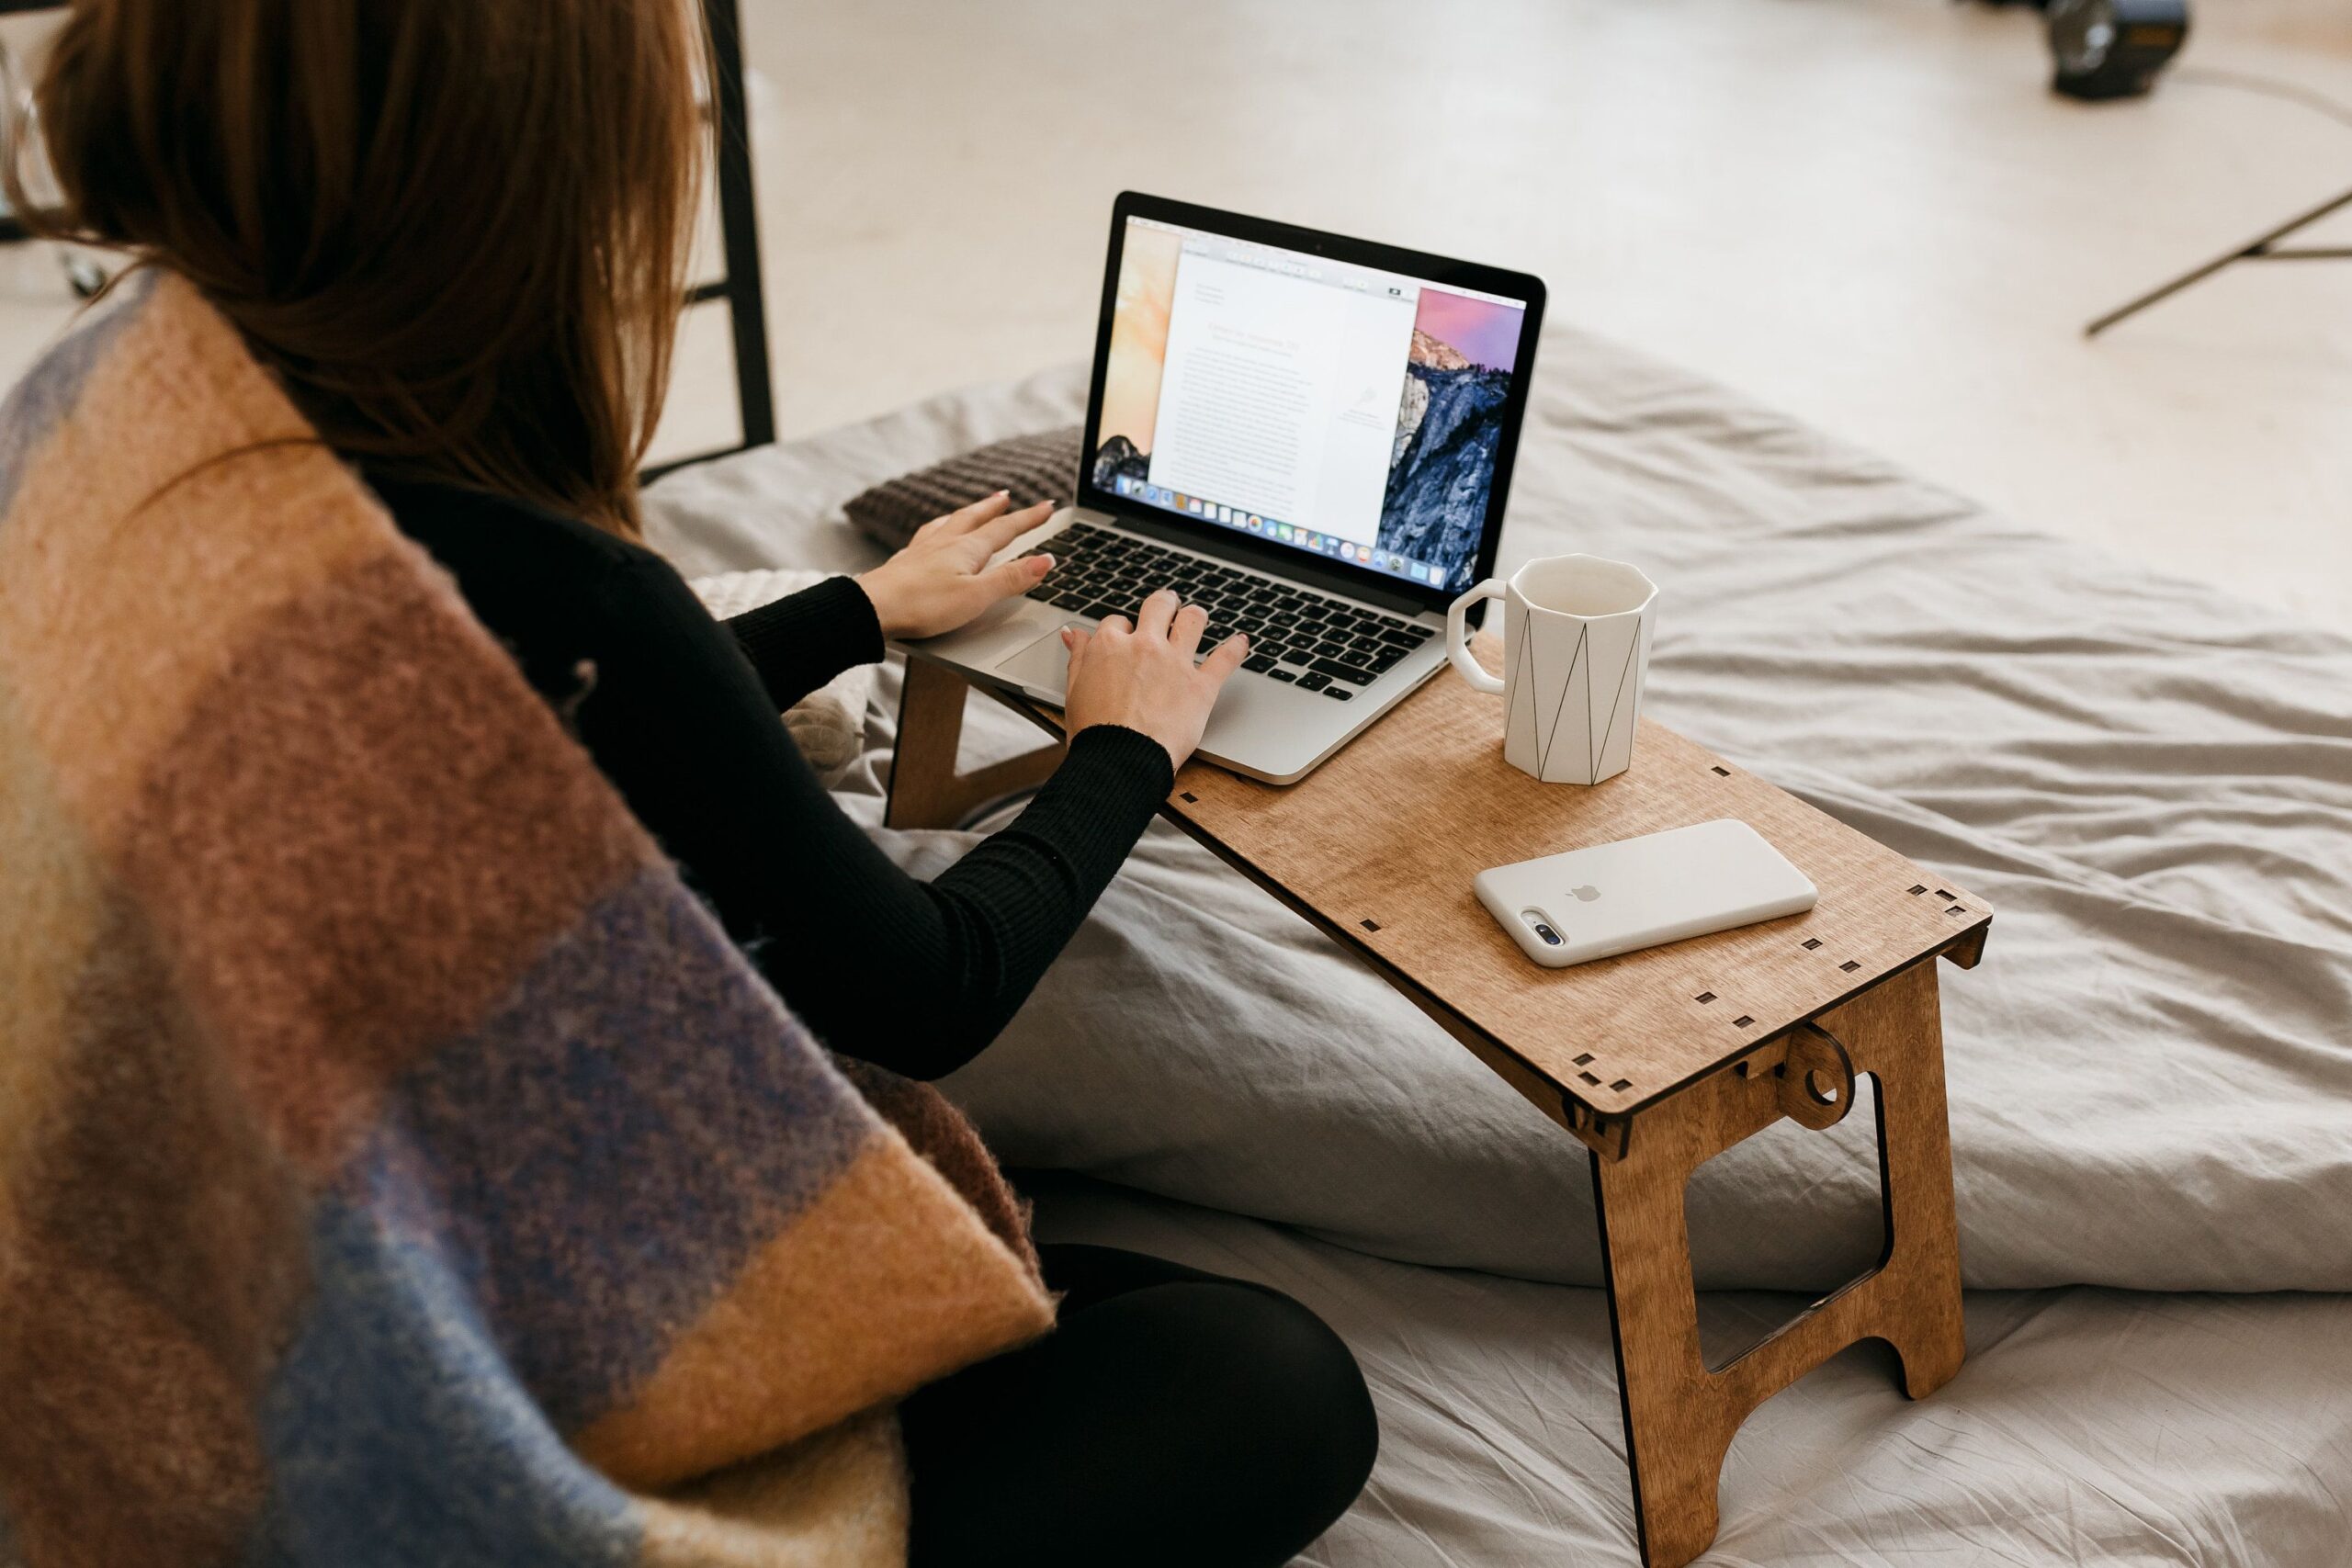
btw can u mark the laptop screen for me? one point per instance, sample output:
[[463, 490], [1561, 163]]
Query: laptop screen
[[1340, 410]]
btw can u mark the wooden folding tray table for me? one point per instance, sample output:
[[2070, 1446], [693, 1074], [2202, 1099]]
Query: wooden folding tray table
[[1656, 1061]]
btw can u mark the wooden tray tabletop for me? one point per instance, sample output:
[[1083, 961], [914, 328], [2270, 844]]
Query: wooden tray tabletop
[[1378, 847]]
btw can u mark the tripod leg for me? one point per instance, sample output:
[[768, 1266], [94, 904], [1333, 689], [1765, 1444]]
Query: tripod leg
[[2243, 253]]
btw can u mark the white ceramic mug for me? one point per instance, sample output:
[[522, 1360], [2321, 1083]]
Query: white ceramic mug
[[1576, 646]]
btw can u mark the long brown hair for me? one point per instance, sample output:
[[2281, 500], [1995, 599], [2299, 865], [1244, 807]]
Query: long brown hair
[[455, 229]]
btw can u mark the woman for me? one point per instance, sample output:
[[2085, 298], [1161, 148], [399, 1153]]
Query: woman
[[456, 231]]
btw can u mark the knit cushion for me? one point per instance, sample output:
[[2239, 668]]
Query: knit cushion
[[1034, 468]]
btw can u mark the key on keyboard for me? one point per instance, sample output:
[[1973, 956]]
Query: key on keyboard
[[1318, 640]]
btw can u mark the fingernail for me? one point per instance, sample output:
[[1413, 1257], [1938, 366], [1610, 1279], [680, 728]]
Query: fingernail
[[1045, 564]]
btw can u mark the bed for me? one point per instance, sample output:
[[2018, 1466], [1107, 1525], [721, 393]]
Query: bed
[[2151, 1074]]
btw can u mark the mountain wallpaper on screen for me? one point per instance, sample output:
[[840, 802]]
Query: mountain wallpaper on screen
[[1118, 457], [1443, 463]]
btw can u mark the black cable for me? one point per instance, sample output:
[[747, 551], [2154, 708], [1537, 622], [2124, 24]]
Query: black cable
[[2268, 87]]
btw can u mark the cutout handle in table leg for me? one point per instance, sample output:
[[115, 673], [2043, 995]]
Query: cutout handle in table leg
[[1816, 1079]]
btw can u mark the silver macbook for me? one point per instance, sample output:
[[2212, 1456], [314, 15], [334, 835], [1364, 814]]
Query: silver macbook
[[1310, 437]]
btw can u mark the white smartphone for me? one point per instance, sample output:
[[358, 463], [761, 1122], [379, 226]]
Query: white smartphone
[[1610, 899]]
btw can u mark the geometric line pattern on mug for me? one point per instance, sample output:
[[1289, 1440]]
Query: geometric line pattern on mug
[[1544, 758], [1524, 646], [1632, 649]]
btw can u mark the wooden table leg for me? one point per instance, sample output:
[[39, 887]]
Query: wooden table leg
[[1680, 1416], [925, 789]]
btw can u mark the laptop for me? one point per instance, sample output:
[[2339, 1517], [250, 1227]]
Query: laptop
[[1309, 436]]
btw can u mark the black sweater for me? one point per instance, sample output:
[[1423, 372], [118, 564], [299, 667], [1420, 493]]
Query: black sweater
[[681, 714]]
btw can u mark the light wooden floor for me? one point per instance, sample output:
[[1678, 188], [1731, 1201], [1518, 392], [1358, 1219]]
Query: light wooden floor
[[1870, 212]]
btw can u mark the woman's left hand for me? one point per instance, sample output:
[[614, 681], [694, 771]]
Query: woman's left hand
[[942, 578]]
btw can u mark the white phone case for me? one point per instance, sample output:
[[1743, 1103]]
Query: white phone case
[[1638, 893]]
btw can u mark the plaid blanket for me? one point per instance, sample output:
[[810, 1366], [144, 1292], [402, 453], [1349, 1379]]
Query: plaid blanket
[[397, 1164]]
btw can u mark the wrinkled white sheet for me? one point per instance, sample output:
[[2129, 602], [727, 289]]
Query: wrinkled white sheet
[[2150, 1075], [2088, 1425]]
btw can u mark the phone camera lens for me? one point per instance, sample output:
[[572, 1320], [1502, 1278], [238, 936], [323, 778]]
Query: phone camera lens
[[1548, 933]]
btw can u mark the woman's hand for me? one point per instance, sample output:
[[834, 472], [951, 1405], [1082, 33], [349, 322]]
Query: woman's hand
[[942, 578], [1145, 679]]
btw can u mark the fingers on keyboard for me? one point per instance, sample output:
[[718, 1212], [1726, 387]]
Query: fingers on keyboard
[[1322, 644]]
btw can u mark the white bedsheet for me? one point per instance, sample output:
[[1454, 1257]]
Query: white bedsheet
[[2087, 1426], [2150, 1074]]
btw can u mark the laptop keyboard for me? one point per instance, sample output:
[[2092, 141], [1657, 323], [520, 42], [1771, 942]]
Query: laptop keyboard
[[1297, 635]]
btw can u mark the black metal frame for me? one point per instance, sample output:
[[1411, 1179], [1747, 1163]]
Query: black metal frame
[[2263, 247], [12, 227], [740, 287]]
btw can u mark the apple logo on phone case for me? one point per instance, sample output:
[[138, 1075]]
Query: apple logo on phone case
[[1586, 894]]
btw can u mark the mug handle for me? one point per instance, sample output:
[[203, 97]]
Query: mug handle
[[1457, 641]]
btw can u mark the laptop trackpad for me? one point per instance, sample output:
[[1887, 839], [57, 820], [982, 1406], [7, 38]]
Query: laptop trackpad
[[1043, 666]]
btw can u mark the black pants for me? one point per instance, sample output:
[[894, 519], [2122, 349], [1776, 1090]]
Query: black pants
[[1174, 1418]]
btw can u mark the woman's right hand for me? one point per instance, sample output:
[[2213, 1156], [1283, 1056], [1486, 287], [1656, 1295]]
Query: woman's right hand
[[1143, 678]]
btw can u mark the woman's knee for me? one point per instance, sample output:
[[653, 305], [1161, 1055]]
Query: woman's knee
[[1294, 1404], [1189, 1421]]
